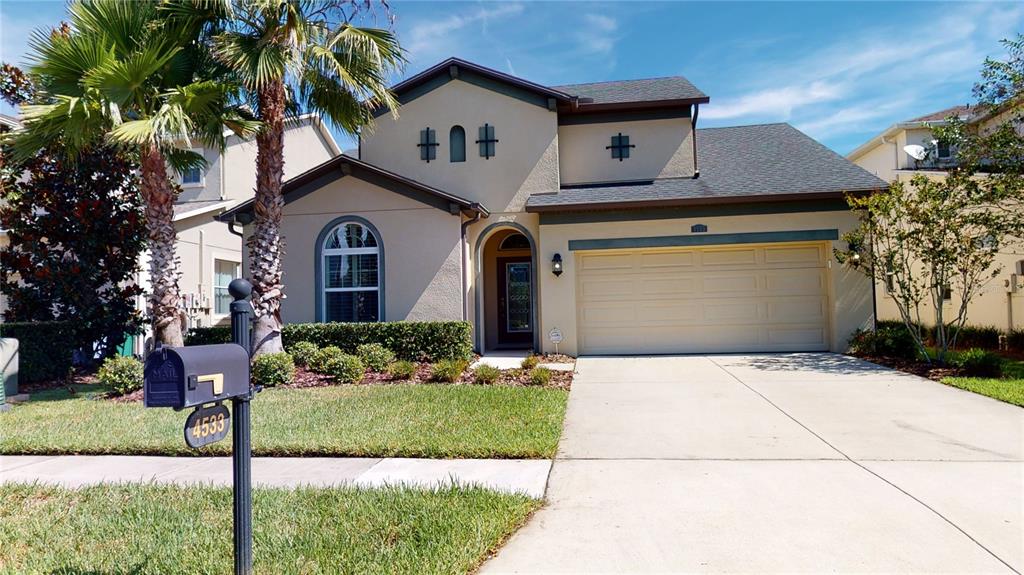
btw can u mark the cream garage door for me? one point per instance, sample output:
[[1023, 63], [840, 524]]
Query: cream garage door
[[703, 300]]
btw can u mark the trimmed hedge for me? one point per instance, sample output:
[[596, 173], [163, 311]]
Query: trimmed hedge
[[410, 340], [43, 348]]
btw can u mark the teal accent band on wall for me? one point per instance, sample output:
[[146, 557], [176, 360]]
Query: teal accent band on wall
[[704, 240]]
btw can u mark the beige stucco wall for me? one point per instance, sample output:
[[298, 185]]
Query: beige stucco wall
[[422, 257], [664, 149], [881, 159], [201, 240], [526, 159], [304, 149], [849, 291]]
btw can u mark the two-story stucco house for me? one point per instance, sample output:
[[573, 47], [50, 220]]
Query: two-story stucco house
[[594, 215], [210, 254], [1001, 303]]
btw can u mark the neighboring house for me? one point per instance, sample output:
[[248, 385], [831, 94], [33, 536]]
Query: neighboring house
[[1001, 304], [594, 216], [210, 254]]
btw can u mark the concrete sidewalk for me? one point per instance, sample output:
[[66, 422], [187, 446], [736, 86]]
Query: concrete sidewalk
[[527, 476]]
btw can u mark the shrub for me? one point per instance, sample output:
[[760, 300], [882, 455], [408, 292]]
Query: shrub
[[401, 370], [886, 341], [1015, 340], [302, 352], [411, 340], [540, 376], [270, 369], [448, 370], [985, 337], [208, 335], [43, 349], [486, 374], [530, 362], [345, 368], [978, 362], [375, 356], [318, 361], [122, 374]]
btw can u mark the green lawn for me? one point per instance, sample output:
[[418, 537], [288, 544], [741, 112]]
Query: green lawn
[[441, 421], [1009, 388], [143, 529]]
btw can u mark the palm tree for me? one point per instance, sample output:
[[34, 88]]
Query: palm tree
[[291, 55], [128, 72]]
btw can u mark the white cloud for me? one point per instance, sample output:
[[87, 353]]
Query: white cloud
[[857, 83], [776, 102], [597, 34], [433, 38]]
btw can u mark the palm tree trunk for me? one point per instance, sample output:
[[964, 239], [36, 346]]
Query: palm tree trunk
[[266, 245], [164, 296]]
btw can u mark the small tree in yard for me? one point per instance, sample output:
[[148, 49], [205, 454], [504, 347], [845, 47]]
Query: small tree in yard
[[76, 231], [935, 239]]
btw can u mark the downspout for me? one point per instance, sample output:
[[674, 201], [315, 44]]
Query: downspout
[[231, 228], [693, 130], [465, 262]]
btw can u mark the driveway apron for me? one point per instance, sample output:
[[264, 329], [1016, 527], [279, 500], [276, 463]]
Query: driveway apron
[[776, 463]]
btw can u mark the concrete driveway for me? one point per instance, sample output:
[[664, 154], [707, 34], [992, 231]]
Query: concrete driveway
[[776, 463]]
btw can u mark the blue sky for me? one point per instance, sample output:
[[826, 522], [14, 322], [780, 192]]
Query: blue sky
[[840, 71]]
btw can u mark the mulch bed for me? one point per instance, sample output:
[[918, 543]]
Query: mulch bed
[[305, 378], [513, 377], [915, 367]]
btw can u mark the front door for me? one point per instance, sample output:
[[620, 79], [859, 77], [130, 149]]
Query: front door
[[515, 301]]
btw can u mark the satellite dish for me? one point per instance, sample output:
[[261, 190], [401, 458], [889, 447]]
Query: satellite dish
[[915, 151]]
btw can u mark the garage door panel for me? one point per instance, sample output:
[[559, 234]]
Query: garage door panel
[[675, 286], [606, 262], [797, 310], [668, 259], [795, 282], [729, 257], [701, 300], [738, 282], [805, 254]]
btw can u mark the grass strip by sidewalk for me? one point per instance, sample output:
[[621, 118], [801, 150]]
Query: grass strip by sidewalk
[[437, 421], [168, 530]]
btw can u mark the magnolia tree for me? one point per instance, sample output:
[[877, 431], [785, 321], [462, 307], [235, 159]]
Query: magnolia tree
[[934, 240]]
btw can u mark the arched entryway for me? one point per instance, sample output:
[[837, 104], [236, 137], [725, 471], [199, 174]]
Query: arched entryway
[[506, 309]]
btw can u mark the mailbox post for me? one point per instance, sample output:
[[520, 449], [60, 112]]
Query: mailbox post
[[203, 377], [241, 457]]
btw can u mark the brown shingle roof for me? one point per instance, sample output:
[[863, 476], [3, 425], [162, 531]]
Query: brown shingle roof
[[960, 111]]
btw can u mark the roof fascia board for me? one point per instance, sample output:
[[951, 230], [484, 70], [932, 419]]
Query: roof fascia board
[[622, 116], [201, 211], [680, 202]]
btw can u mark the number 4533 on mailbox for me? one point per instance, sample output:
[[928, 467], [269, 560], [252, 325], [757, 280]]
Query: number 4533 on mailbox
[[201, 376]]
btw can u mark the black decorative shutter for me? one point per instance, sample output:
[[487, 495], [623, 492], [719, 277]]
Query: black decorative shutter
[[428, 144], [487, 141]]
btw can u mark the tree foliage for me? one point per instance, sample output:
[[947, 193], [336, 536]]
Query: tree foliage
[[75, 232], [934, 240]]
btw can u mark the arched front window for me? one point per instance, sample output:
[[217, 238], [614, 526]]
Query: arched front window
[[351, 268], [457, 144]]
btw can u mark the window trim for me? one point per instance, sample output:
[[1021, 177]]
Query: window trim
[[938, 151], [214, 286], [319, 281], [202, 174]]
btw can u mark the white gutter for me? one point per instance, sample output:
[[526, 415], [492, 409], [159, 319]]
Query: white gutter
[[201, 211]]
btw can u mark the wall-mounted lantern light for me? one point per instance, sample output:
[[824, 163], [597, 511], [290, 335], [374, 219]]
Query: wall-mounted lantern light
[[556, 265]]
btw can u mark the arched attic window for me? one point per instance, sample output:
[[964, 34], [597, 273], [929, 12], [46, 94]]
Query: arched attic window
[[457, 144]]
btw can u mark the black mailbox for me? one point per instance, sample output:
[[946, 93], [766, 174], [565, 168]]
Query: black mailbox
[[181, 377]]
